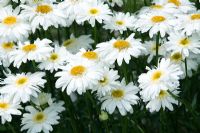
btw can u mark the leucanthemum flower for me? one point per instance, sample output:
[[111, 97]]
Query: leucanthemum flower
[[181, 43], [22, 86], [78, 75], [163, 100], [122, 97], [92, 12], [166, 75], [154, 22], [13, 26], [120, 49], [8, 107], [120, 22], [56, 59], [44, 15], [37, 51], [36, 121], [107, 82], [188, 23], [74, 44]]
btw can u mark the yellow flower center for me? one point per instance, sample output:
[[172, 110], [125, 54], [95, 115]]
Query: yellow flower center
[[44, 9], [121, 45], [10, 20], [4, 105], [120, 22], [90, 55], [184, 42], [104, 81], [68, 42], [176, 56], [157, 6], [39, 117], [175, 2], [78, 70], [8, 45], [29, 48], [158, 19], [156, 75], [54, 57], [118, 94], [94, 11], [21, 81], [162, 94], [195, 16]]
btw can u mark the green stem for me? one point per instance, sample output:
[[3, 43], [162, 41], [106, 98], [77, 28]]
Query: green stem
[[11, 128], [34, 66], [145, 2], [58, 34], [157, 46], [124, 69], [95, 35], [186, 68], [125, 124]]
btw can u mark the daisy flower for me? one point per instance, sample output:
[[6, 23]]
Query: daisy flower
[[121, 97], [92, 12], [188, 23], [38, 51], [13, 26], [22, 86], [154, 22], [7, 108], [163, 100], [120, 49], [56, 59], [120, 22], [107, 82], [181, 43], [166, 75], [32, 1], [36, 121], [78, 75], [44, 15], [74, 44]]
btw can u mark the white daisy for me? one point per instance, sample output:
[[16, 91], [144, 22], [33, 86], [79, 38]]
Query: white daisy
[[56, 59], [166, 75], [120, 49], [121, 97], [7, 108], [154, 22], [13, 26], [188, 23], [181, 43], [36, 121], [120, 22], [107, 82], [79, 76], [22, 86], [38, 51], [44, 15], [74, 44], [93, 11]]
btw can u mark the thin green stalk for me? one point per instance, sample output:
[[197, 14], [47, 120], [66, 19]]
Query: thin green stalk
[[58, 35], [145, 2], [95, 34], [11, 127], [34, 66], [157, 46], [124, 124], [186, 70], [124, 69]]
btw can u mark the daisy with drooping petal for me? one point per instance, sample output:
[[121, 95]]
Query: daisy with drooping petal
[[154, 22], [181, 43], [37, 51], [22, 86], [163, 100], [74, 44], [13, 26], [44, 15], [78, 75], [107, 83], [122, 97], [120, 22], [36, 121], [120, 49], [7, 108], [166, 75], [92, 12], [56, 59]]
